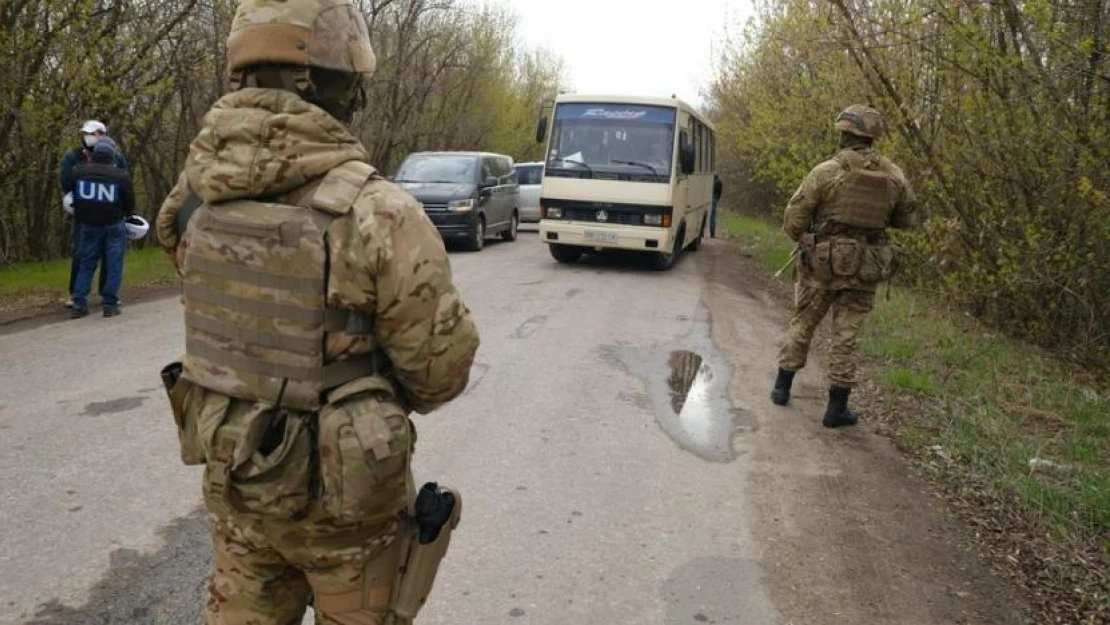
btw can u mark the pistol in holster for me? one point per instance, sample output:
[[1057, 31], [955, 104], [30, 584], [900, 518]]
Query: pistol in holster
[[435, 514], [177, 388]]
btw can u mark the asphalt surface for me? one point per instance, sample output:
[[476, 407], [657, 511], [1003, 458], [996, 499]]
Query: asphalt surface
[[605, 450]]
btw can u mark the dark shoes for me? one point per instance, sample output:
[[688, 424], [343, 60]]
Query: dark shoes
[[780, 395], [837, 414], [111, 311], [77, 313]]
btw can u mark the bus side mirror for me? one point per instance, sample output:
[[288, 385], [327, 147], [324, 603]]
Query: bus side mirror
[[686, 158], [541, 129]]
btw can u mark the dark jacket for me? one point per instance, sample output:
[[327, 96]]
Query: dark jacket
[[102, 194], [75, 157], [717, 187]]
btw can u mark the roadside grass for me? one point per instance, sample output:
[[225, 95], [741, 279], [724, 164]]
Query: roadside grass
[[766, 240], [141, 267], [999, 415]]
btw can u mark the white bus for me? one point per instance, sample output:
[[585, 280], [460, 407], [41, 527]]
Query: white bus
[[632, 173]]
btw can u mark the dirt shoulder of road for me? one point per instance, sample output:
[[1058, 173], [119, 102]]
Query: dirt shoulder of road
[[852, 533], [24, 312], [902, 395]]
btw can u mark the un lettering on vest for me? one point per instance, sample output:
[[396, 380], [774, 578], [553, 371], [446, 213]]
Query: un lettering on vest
[[98, 191]]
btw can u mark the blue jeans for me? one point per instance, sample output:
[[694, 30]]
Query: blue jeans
[[74, 258], [713, 219], [92, 243]]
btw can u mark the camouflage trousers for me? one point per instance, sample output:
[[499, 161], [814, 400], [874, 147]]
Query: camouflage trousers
[[811, 304], [266, 571]]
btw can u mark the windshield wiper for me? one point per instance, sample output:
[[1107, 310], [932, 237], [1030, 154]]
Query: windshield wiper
[[588, 168], [638, 164]]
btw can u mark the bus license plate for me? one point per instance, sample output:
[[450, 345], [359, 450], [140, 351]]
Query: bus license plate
[[604, 237]]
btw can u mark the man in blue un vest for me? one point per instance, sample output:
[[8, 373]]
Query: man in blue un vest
[[103, 196], [92, 131]]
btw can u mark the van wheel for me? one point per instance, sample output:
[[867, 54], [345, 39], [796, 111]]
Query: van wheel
[[663, 261], [477, 238], [565, 253], [510, 234]]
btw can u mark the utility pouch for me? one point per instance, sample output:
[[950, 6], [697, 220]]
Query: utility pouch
[[844, 257], [364, 446], [879, 263], [821, 266], [260, 461], [429, 534]]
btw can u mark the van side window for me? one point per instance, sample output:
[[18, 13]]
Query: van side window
[[487, 169]]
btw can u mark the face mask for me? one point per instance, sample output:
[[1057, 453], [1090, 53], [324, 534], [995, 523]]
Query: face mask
[[90, 141]]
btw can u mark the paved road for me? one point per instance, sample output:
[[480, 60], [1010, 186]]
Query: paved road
[[619, 460]]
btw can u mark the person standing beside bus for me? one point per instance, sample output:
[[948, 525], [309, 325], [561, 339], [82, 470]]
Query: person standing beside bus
[[717, 188], [839, 216]]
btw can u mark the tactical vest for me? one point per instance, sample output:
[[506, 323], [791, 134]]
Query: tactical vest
[[255, 286], [865, 195]]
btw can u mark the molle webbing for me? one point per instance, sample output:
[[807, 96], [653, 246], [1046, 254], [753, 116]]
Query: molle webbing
[[865, 195], [255, 290]]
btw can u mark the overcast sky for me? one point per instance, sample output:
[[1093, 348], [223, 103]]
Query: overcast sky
[[633, 47]]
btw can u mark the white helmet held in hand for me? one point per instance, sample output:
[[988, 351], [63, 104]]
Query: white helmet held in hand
[[136, 226], [67, 203]]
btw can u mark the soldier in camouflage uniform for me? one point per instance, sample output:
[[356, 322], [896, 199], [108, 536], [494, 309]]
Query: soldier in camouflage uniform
[[839, 216], [320, 312]]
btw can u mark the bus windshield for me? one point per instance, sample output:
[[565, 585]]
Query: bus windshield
[[612, 141]]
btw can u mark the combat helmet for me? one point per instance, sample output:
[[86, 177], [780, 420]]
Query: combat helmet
[[317, 48], [861, 120]]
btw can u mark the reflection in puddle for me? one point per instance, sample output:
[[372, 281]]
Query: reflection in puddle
[[686, 382], [690, 382], [697, 422]]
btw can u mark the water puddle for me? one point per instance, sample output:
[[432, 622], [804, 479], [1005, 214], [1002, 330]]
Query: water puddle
[[687, 386]]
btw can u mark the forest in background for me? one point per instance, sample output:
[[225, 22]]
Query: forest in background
[[450, 75], [998, 111]]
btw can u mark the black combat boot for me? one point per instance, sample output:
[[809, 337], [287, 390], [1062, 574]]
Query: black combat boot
[[837, 414], [781, 393]]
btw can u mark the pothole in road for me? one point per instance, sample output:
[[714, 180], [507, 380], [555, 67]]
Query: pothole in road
[[687, 385]]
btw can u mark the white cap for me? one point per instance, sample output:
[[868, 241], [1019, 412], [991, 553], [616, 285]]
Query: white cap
[[92, 126]]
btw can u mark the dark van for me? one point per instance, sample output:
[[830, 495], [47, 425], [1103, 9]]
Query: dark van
[[467, 195]]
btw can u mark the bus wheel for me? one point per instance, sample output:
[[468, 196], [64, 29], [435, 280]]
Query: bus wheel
[[662, 261], [565, 253], [696, 245]]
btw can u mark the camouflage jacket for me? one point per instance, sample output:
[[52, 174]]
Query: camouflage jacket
[[387, 260], [803, 213]]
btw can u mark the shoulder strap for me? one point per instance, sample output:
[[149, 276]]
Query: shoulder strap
[[337, 191], [333, 196]]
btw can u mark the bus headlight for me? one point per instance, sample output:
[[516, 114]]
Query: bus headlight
[[460, 206], [653, 220], [553, 213]]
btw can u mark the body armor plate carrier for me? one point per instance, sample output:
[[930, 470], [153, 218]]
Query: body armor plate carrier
[[255, 291], [866, 194]]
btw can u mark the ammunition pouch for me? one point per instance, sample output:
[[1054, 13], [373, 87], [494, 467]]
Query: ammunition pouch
[[878, 262], [425, 549], [820, 264], [845, 256]]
